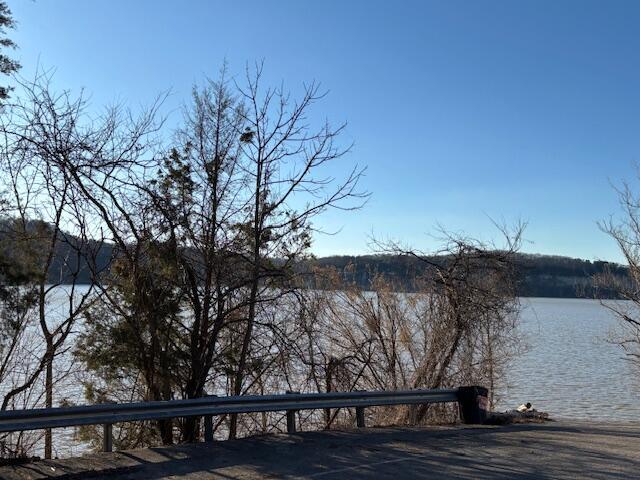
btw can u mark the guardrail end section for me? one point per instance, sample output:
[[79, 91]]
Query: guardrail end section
[[473, 402]]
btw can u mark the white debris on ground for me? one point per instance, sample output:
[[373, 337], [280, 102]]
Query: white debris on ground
[[514, 416], [525, 413]]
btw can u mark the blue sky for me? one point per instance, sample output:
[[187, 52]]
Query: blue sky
[[462, 111]]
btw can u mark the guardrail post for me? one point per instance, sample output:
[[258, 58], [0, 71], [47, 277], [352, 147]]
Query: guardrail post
[[208, 428], [291, 416], [360, 423], [208, 425], [107, 437], [473, 403]]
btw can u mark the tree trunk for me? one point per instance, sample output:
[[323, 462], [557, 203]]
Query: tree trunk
[[48, 396], [233, 423], [329, 389]]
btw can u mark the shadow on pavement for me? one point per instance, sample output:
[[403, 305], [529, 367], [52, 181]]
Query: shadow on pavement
[[508, 452]]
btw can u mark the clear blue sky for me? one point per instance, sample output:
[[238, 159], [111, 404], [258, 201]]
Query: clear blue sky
[[461, 110]]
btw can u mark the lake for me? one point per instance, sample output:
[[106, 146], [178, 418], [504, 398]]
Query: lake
[[570, 369]]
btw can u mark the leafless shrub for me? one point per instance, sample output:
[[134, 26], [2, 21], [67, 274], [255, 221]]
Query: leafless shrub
[[458, 328]]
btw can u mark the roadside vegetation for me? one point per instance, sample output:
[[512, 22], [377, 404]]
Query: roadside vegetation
[[202, 292]]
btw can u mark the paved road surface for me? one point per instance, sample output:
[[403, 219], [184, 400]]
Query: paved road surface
[[553, 450]]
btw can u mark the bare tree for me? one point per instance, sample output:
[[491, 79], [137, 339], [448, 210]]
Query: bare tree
[[47, 221], [18, 298], [625, 232], [73, 173], [285, 160]]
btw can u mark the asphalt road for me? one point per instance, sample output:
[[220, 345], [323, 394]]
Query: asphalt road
[[555, 450]]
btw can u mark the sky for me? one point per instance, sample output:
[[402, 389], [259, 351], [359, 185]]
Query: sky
[[462, 111]]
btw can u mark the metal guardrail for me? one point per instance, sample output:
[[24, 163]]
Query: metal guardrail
[[207, 407]]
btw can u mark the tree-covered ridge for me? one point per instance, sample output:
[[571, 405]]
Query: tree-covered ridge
[[538, 275]]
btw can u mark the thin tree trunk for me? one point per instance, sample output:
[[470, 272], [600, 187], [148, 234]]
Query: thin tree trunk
[[233, 423], [49, 397]]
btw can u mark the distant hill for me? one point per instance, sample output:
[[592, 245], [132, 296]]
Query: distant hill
[[539, 275]]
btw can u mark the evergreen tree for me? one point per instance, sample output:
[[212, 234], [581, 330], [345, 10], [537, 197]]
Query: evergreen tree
[[7, 64]]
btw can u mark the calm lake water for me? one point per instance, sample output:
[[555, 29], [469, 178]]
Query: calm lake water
[[570, 369]]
